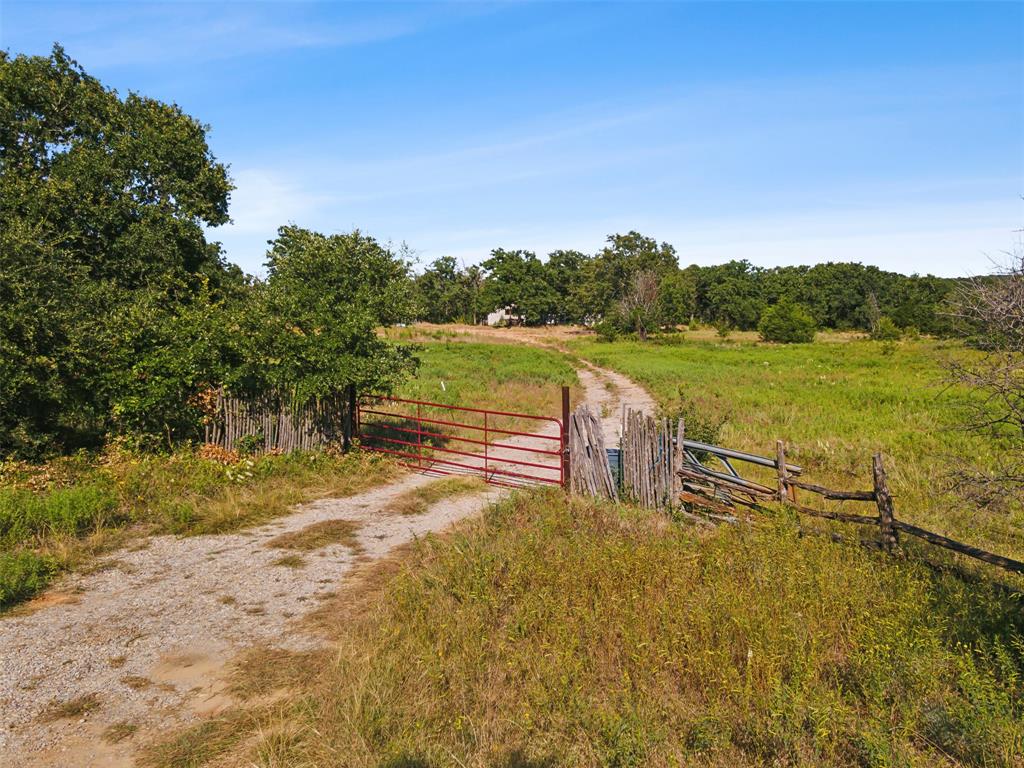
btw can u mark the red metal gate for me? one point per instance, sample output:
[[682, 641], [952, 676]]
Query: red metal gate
[[450, 439]]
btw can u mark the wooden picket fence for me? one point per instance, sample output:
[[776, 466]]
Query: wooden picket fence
[[278, 424], [661, 469], [590, 474]]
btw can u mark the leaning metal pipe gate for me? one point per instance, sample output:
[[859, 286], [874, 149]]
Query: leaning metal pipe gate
[[500, 446]]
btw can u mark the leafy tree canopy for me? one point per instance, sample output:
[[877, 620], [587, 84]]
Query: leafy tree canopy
[[102, 200]]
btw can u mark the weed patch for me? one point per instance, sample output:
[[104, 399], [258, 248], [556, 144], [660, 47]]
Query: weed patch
[[290, 561], [570, 633], [23, 574], [416, 500], [120, 731], [70, 709], [319, 535]]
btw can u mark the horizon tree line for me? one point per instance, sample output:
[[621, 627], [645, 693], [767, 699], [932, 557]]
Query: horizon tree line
[[637, 284]]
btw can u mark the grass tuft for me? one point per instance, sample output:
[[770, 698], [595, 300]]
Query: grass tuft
[[136, 682], [416, 500], [119, 731], [319, 535], [290, 561], [71, 708]]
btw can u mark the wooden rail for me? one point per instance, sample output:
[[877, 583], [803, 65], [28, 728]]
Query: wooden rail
[[888, 526], [661, 469]]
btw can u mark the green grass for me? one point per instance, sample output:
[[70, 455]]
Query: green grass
[[557, 633], [834, 404], [498, 376], [57, 516]]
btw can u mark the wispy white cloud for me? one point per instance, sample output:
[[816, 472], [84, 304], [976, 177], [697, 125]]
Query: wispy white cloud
[[111, 35], [262, 201]]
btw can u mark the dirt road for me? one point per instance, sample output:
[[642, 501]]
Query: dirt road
[[139, 643]]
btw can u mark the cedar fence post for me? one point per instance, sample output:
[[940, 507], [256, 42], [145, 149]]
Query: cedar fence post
[[348, 425], [780, 464], [566, 467], [884, 500]]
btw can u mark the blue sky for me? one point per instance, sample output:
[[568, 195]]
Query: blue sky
[[887, 133]]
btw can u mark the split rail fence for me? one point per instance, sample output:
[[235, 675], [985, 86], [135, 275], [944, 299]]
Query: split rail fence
[[661, 469]]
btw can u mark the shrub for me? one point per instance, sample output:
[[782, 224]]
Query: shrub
[[703, 420], [787, 323], [607, 330], [22, 575], [886, 330], [60, 512]]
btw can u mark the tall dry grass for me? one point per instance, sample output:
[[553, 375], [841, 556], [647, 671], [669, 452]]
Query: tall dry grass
[[569, 633]]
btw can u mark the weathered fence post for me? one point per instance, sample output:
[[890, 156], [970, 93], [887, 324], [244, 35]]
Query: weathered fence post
[[348, 428], [566, 467], [780, 465], [678, 459], [884, 500]]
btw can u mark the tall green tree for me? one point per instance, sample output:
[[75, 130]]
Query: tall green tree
[[565, 270], [610, 274], [677, 298], [443, 295], [518, 279], [318, 313], [102, 200], [731, 295]]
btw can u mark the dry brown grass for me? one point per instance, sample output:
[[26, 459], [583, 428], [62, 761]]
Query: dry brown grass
[[71, 708], [416, 501], [199, 745], [120, 731], [262, 672], [136, 682], [319, 535], [290, 561]]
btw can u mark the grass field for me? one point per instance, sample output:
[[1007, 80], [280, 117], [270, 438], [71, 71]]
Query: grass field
[[57, 516], [498, 376], [834, 403], [557, 632], [553, 633]]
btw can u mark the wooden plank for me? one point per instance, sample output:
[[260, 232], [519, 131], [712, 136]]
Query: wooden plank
[[834, 495], [964, 549], [844, 517], [702, 501]]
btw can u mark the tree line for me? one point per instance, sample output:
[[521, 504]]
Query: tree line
[[118, 316], [636, 284]]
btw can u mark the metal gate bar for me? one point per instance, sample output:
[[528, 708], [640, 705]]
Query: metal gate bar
[[392, 432]]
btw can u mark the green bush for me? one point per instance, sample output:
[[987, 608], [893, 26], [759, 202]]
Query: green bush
[[703, 419], [607, 330], [787, 323], [22, 575], [886, 330]]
